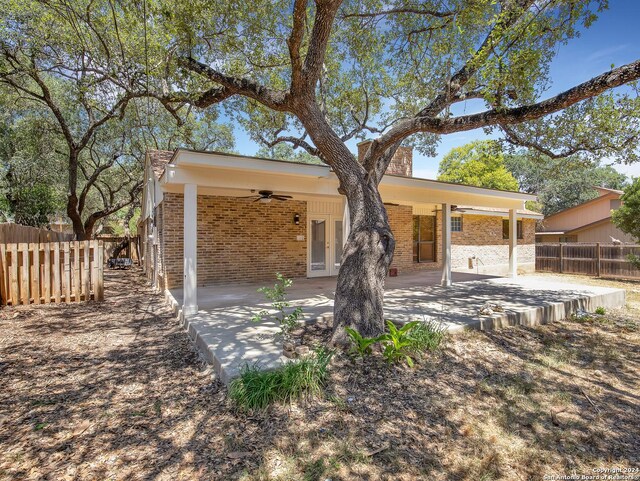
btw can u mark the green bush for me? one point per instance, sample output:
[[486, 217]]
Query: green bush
[[600, 311], [302, 379]]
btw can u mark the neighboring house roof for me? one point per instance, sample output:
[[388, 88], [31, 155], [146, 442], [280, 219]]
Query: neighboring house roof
[[497, 211], [589, 226], [609, 194], [605, 190], [159, 160]]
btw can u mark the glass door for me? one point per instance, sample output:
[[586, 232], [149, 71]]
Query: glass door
[[319, 256]]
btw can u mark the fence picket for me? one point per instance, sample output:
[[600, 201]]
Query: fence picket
[[77, 286], [24, 294], [4, 287], [86, 273], [57, 288], [29, 273], [34, 249], [15, 287], [46, 281], [67, 272], [100, 284]]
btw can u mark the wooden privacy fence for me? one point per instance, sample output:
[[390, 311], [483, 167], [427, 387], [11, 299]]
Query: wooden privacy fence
[[51, 272], [10, 233], [604, 260]]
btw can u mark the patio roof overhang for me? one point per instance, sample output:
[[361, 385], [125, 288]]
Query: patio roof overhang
[[234, 175]]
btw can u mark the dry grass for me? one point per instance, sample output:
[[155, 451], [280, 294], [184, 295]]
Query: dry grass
[[115, 391]]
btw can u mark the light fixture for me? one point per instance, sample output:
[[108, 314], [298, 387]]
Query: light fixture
[[265, 200], [296, 219]]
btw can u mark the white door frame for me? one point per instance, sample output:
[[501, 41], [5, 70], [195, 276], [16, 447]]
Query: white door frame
[[330, 245]]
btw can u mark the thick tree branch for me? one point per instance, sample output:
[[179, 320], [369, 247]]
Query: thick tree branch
[[295, 41], [295, 141], [325, 15], [507, 116], [274, 99]]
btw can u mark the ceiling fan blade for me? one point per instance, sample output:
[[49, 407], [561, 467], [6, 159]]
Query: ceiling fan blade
[[258, 199], [281, 197]]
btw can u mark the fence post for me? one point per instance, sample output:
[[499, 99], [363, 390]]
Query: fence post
[[598, 259], [561, 257]]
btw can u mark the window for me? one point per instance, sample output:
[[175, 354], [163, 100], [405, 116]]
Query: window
[[424, 229], [505, 229], [456, 224], [568, 238]]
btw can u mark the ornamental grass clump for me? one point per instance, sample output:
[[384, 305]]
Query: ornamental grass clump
[[302, 379]]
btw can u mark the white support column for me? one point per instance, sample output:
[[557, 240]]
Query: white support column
[[190, 281], [513, 243], [446, 245]]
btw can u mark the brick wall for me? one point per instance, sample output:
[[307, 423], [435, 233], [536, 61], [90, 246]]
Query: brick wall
[[401, 222], [238, 240], [481, 237]]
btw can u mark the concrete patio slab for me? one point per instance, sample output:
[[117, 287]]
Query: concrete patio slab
[[223, 331]]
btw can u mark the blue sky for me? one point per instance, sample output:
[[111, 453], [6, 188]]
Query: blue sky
[[613, 39]]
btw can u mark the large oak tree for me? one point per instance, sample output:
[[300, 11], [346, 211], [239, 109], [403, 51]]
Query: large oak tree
[[316, 74]]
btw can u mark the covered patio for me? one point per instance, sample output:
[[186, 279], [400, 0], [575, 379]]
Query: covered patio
[[224, 333]]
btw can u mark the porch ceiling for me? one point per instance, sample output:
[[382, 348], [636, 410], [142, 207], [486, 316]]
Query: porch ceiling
[[219, 175]]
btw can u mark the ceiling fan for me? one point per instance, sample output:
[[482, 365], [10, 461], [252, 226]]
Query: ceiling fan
[[265, 196]]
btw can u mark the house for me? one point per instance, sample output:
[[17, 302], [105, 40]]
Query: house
[[586, 222], [247, 218]]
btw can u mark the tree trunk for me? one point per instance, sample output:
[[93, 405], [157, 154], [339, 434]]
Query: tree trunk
[[365, 263]]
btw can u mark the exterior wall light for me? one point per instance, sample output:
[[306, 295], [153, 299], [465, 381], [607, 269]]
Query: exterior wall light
[[296, 219]]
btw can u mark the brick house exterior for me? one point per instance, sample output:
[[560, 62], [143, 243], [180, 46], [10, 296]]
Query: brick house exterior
[[241, 240]]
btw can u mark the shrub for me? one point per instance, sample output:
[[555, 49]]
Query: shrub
[[302, 379], [600, 311], [278, 297]]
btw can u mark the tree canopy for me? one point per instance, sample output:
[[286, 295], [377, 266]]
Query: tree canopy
[[561, 183], [627, 217], [479, 163]]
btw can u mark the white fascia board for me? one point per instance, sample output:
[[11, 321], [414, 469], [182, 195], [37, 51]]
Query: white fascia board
[[458, 188], [499, 214], [221, 161]]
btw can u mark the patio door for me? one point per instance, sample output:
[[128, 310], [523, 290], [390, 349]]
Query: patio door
[[325, 245]]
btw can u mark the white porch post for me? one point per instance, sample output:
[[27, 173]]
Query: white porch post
[[446, 245], [513, 243], [190, 282]]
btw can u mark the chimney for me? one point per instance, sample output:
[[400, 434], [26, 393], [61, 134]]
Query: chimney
[[401, 164]]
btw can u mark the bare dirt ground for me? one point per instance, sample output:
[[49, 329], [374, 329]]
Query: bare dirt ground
[[114, 391]]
